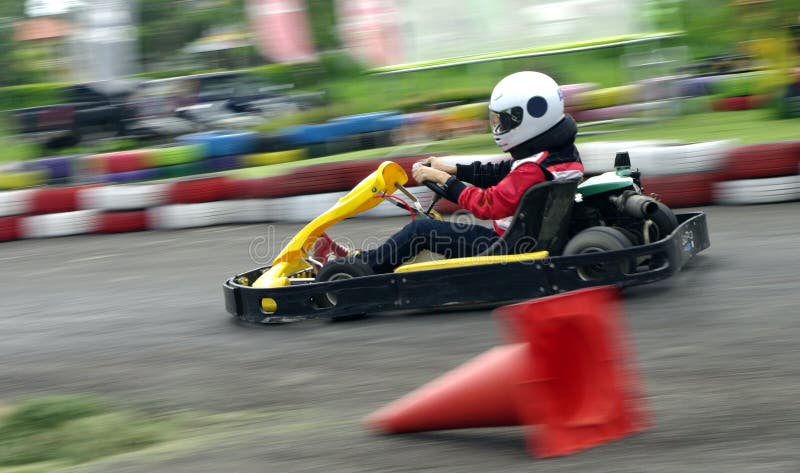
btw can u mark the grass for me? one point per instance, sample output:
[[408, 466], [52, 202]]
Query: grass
[[48, 432], [747, 126]]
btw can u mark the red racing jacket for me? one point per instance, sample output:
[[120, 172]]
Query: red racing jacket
[[499, 187]]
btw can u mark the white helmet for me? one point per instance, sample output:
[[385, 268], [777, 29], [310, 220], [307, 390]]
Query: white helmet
[[523, 106]]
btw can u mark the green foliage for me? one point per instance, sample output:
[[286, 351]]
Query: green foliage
[[166, 27], [443, 96], [322, 16], [301, 75], [339, 65], [30, 95]]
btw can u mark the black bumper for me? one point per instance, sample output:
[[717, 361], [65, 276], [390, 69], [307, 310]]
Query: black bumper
[[480, 284]]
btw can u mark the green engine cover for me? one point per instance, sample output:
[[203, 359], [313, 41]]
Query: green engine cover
[[605, 182]]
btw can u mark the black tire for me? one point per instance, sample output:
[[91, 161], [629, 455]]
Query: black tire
[[337, 270], [665, 222], [597, 240]]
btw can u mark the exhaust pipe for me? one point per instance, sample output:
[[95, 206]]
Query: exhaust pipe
[[635, 205]]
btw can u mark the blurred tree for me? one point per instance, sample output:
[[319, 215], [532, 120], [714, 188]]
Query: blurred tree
[[167, 26], [322, 16], [10, 11]]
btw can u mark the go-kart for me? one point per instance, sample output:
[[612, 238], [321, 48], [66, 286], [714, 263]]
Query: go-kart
[[563, 236]]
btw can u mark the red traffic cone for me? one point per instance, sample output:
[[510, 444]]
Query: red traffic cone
[[567, 375]]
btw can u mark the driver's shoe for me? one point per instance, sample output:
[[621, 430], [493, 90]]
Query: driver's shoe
[[325, 249]]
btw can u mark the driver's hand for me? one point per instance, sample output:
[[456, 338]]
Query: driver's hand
[[425, 173], [440, 164]]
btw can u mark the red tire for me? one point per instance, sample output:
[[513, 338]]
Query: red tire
[[263, 187], [119, 222], [681, 190], [122, 161], [761, 160], [56, 199], [10, 228], [194, 191], [745, 102]]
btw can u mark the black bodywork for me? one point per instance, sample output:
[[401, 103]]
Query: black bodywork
[[464, 285]]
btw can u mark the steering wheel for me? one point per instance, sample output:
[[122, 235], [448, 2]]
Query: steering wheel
[[438, 189]]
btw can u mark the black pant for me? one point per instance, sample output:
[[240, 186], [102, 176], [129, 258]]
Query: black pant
[[449, 239]]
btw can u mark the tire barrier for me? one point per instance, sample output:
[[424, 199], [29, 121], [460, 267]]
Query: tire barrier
[[129, 176], [264, 187], [598, 156], [679, 174], [56, 199], [56, 167], [601, 98], [276, 157], [669, 159], [224, 163], [172, 155], [208, 189], [206, 214], [621, 111], [681, 190], [731, 104], [60, 224], [10, 228], [120, 161], [21, 179], [467, 112], [224, 142], [573, 98], [696, 86], [658, 88], [737, 85], [123, 197], [761, 160], [180, 170], [16, 202], [758, 191], [259, 210], [122, 222]]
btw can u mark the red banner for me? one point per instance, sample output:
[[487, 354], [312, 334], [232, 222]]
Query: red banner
[[282, 30]]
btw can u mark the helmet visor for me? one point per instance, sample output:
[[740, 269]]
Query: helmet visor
[[505, 121]]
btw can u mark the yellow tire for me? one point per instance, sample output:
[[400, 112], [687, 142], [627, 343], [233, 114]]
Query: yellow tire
[[18, 180], [277, 157]]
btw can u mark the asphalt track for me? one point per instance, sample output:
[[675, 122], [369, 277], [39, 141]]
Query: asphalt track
[[139, 318]]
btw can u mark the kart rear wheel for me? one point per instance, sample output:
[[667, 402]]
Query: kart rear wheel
[[665, 222], [337, 270], [598, 240]]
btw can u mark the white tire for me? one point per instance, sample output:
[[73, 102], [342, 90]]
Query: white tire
[[757, 191], [669, 159], [16, 202], [123, 197], [206, 214], [598, 156], [78, 222]]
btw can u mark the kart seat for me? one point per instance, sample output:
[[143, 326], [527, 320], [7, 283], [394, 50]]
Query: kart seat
[[541, 222]]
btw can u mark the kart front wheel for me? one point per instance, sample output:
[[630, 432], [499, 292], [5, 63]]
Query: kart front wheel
[[338, 270], [598, 240]]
